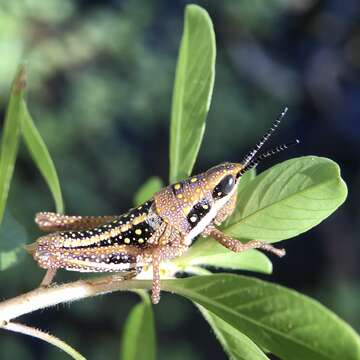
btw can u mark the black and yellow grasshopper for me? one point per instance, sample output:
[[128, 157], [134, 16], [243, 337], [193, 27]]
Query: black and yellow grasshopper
[[160, 229]]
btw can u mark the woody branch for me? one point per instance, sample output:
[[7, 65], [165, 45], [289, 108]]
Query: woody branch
[[44, 297]]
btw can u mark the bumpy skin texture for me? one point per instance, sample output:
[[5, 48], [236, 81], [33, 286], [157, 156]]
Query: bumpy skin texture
[[160, 229]]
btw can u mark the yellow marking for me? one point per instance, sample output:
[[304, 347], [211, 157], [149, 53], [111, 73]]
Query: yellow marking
[[125, 228], [192, 198], [198, 190], [140, 219], [141, 240], [187, 209], [127, 241], [194, 179], [205, 206], [177, 186], [173, 208], [138, 231], [179, 196]]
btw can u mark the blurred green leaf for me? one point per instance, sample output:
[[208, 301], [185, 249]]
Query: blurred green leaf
[[237, 345], [194, 81], [288, 199], [138, 342], [10, 136], [288, 324], [209, 252], [41, 157], [13, 237], [148, 189]]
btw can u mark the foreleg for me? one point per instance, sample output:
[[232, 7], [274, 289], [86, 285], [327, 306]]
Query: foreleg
[[237, 246], [226, 211]]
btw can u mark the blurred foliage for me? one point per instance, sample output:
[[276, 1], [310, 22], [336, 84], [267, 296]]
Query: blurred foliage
[[101, 82]]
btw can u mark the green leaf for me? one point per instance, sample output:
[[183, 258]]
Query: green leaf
[[288, 324], [148, 189], [13, 237], [237, 345], [138, 342], [245, 179], [10, 136], [209, 252], [41, 157], [288, 199], [194, 82]]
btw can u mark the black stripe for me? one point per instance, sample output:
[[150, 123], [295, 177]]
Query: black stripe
[[198, 212]]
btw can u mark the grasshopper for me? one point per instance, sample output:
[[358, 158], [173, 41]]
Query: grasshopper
[[160, 229]]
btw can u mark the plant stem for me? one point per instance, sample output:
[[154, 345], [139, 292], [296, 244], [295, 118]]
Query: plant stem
[[43, 297], [27, 330]]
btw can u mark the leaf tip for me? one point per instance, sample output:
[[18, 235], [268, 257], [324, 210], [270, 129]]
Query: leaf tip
[[21, 79]]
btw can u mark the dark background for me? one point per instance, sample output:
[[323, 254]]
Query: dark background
[[100, 83]]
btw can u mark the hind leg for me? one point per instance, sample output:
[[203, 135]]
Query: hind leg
[[49, 221]]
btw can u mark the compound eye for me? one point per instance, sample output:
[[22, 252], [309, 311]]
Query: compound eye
[[224, 187]]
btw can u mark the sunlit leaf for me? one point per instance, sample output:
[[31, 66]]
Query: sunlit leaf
[[288, 199], [10, 136], [288, 324], [13, 237], [41, 157], [237, 345], [193, 88], [148, 189], [138, 342], [209, 252]]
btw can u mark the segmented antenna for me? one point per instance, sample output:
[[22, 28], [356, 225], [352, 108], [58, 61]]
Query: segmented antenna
[[247, 159], [265, 155]]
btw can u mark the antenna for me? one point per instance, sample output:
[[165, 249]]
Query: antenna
[[269, 153], [248, 158]]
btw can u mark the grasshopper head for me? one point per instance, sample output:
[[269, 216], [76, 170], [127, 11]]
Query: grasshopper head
[[223, 179]]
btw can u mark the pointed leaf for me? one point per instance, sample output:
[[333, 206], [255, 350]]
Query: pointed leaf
[[138, 342], [288, 199], [237, 345], [288, 324], [10, 136], [194, 81], [147, 190], [41, 157]]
